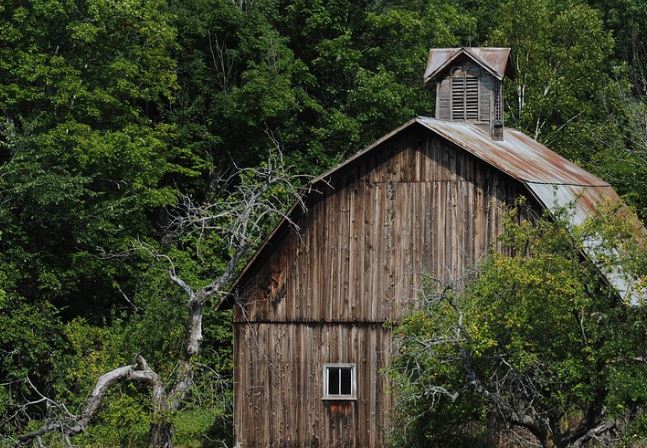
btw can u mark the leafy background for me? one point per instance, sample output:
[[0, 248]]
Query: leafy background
[[110, 109]]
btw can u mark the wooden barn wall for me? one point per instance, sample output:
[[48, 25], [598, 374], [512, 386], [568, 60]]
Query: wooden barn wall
[[414, 207], [281, 406]]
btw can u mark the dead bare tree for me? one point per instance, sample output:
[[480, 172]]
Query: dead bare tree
[[253, 198]]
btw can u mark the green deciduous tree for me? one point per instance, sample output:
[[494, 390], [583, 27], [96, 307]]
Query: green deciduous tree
[[239, 218], [575, 89], [538, 342], [560, 58], [113, 110], [86, 161]]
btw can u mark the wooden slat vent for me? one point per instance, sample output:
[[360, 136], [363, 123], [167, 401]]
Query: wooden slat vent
[[471, 98], [458, 98], [485, 98], [443, 111]]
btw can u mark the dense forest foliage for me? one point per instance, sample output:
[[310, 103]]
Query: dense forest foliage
[[112, 110]]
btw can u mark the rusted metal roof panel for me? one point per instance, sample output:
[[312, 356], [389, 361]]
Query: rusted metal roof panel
[[438, 57], [554, 181], [494, 59], [580, 203], [517, 154]]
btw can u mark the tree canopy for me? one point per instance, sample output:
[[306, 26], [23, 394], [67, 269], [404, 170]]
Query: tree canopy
[[113, 111], [538, 348]]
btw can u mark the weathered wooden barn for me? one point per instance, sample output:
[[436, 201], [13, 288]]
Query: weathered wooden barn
[[310, 309]]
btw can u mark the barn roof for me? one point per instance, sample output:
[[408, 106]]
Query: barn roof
[[552, 180], [495, 60]]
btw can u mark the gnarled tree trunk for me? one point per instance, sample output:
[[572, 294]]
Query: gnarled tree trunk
[[160, 434], [262, 193]]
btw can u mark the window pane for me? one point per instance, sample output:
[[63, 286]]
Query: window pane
[[345, 381], [333, 381]]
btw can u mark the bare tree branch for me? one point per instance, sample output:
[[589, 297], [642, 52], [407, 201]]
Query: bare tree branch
[[71, 424], [250, 199]]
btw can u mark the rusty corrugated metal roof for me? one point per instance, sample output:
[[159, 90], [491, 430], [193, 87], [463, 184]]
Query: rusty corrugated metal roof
[[517, 154], [553, 181], [493, 59], [580, 203], [556, 183]]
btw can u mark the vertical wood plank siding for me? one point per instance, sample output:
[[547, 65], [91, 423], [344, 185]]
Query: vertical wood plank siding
[[281, 405], [413, 207], [410, 211]]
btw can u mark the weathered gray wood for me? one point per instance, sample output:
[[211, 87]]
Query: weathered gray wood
[[416, 206], [358, 423], [486, 97], [443, 103], [346, 267]]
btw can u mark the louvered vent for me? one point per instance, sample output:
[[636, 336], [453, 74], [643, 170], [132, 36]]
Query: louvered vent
[[443, 102], [458, 98], [464, 94], [468, 86], [471, 98]]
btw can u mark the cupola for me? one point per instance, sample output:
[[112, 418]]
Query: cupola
[[468, 84]]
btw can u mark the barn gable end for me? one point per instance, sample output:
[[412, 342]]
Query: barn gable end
[[413, 205], [416, 205]]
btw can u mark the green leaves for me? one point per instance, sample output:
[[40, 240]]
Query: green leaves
[[89, 159], [538, 333], [109, 109], [560, 57]]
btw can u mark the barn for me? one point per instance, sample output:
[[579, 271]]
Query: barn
[[311, 310]]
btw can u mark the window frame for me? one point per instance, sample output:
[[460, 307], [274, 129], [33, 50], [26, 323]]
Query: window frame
[[353, 381]]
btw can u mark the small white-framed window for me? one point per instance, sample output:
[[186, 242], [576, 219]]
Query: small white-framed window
[[339, 381]]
